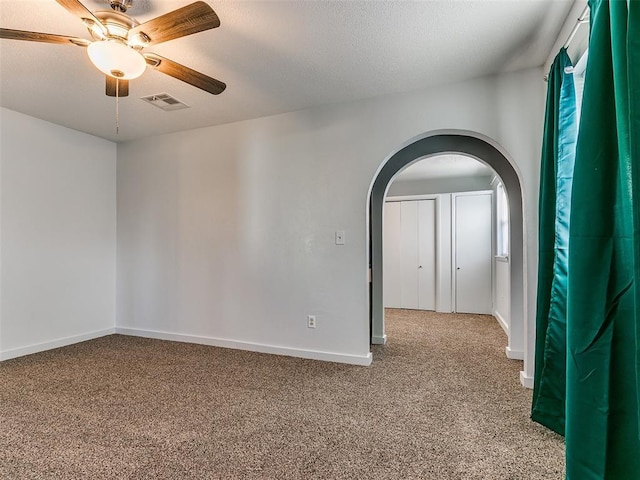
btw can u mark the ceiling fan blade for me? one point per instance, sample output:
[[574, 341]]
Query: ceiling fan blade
[[193, 18], [114, 85], [76, 8], [42, 37], [186, 74]]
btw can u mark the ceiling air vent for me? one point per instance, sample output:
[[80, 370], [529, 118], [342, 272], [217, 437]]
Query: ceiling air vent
[[165, 102]]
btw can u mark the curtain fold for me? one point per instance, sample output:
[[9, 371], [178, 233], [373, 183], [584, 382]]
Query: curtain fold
[[556, 174], [633, 64], [603, 305]]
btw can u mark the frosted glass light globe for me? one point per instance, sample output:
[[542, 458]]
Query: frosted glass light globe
[[116, 59]]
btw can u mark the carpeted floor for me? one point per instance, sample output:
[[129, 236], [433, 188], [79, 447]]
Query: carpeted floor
[[440, 401]]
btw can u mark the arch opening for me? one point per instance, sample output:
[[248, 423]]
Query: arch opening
[[486, 151]]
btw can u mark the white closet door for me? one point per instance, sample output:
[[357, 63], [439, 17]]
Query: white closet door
[[392, 255], [473, 253], [409, 245], [427, 254]]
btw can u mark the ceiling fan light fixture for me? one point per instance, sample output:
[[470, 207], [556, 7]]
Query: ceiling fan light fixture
[[116, 59]]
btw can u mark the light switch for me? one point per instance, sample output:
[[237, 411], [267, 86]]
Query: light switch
[[340, 237]]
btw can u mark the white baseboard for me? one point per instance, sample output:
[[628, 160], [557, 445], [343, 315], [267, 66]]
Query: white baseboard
[[379, 340], [252, 347], [501, 321], [525, 380], [514, 354], [60, 342]]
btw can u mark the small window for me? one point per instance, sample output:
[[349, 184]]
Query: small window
[[502, 222], [578, 79]]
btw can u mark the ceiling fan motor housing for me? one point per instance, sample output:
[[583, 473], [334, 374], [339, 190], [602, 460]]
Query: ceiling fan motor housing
[[117, 24], [120, 5]]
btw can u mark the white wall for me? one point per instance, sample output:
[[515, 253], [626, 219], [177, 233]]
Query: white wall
[[226, 234], [57, 225]]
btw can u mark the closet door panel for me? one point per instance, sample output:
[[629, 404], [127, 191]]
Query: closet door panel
[[392, 255], [409, 245], [426, 254]]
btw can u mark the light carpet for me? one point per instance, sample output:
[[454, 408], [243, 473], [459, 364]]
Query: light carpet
[[440, 401]]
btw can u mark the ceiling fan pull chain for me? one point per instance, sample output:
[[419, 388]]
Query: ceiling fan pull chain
[[117, 106]]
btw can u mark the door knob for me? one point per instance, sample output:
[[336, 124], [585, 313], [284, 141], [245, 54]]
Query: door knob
[[420, 266], [458, 268]]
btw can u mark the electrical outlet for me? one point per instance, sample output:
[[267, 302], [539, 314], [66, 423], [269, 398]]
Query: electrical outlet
[[340, 237], [311, 321]]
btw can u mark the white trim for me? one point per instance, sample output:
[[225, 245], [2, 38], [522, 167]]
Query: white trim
[[514, 354], [405, 198], [472, 192], [60, 342], [379, 340], [433, 196], [525, 380], [364, 360], [502, 322], [454, 279], [437, 225]]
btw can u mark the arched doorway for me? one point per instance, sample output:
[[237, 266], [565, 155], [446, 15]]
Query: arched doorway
[[480, 148]]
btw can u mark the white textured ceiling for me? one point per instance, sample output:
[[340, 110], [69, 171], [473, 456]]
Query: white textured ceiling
[[274, 56], [444, 166]]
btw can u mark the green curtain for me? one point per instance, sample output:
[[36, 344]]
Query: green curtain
[[603, 309], [556, 173]]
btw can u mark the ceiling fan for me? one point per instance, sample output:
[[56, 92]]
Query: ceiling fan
[[119, 40]]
